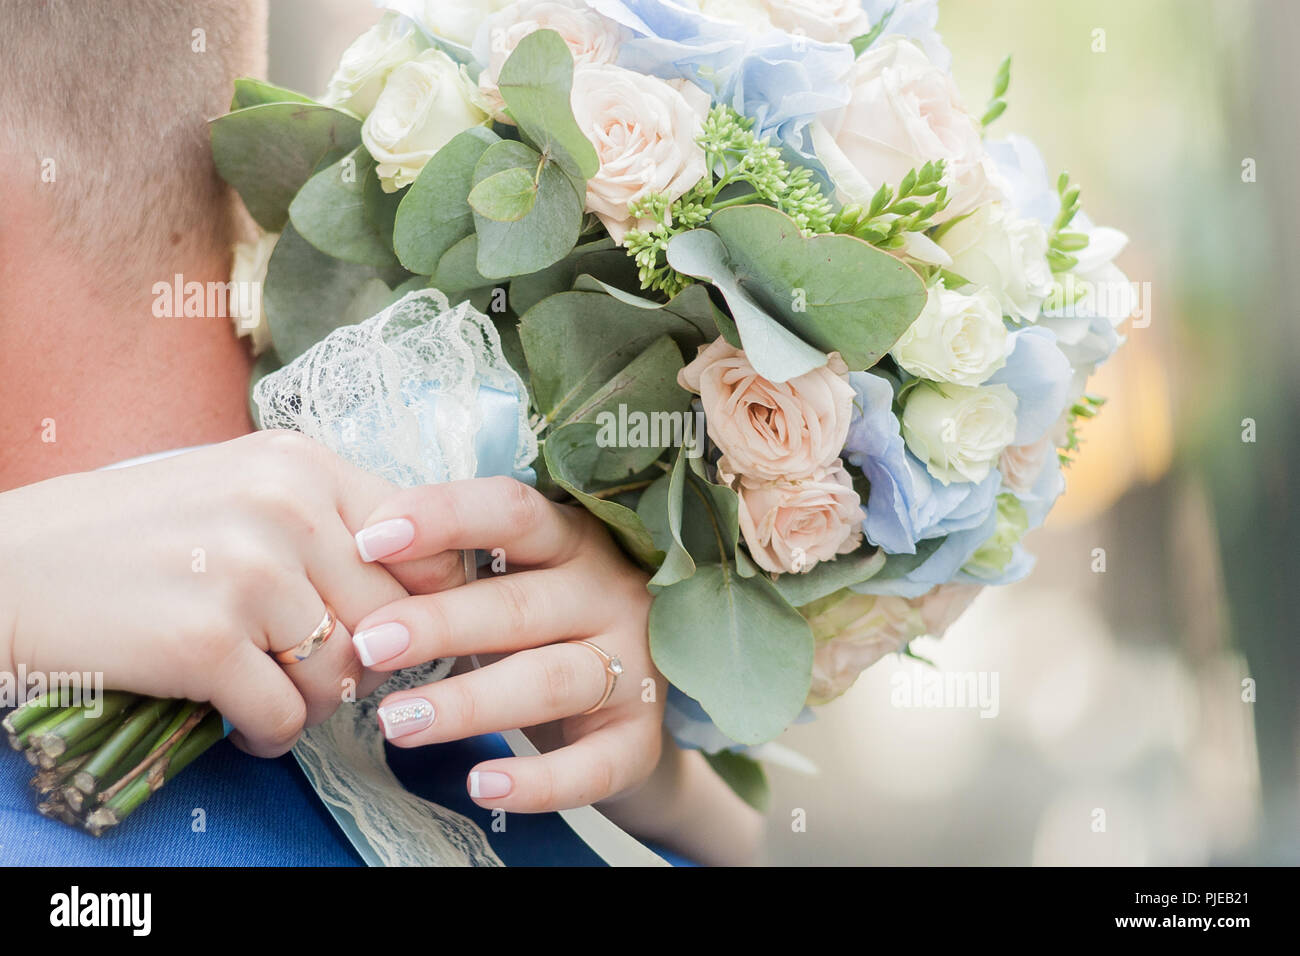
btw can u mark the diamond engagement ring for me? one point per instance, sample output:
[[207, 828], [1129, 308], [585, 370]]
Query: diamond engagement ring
[[613, 667]]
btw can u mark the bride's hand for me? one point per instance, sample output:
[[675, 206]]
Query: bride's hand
[[567, 582], [176, 578]]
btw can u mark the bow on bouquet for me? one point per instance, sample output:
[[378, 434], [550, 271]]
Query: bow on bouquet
[[808, 342]]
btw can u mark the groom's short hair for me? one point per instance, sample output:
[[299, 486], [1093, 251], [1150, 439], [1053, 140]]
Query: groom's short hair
[[105, 109]]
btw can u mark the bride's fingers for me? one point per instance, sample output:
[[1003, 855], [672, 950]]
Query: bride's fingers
[[485, 513], [602, 764], [529, 687], [505, 613], [257, 697]]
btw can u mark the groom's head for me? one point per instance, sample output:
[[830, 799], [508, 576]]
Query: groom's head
[[104, 137]]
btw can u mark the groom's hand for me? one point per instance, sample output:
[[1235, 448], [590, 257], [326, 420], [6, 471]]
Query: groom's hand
[[558, 578]]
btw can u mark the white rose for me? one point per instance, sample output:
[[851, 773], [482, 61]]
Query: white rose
[[959, 431], [644, 131], [248, 273], [455, 20], [365, 65], [591, 38], [993, 249], [830, 21], [904, 112], [957, 338], [426, 102]]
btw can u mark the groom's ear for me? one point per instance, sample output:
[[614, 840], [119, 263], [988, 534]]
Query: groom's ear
[[105, 119]]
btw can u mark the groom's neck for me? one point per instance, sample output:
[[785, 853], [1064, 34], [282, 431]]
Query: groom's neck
[[90, 374]]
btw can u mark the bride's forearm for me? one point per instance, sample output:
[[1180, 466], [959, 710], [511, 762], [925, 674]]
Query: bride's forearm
[[686, 807]]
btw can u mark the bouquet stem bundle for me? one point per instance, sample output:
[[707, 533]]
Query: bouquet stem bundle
[[97, 763]]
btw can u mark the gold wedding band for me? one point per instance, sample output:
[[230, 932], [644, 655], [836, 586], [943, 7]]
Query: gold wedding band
[[318, 637], [613, 667]]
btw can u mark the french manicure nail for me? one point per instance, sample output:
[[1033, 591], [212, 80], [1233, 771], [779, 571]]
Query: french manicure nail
[[380, 643], [488, 784], [405, 717], [388, 537]]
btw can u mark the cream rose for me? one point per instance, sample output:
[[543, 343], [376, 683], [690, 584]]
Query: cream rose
[[770, 430], [1006, 255], [592, 39], [425, 102], [959, 431], [830, 21], [644, 131], [365, 64], [957, 338], [904, 112], [248, 273], [791, 525], [853, 631]]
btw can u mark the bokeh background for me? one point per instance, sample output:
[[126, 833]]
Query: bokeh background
[[1161, 691]]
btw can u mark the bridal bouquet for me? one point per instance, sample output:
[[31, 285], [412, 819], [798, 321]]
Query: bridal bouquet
[[784, 316]]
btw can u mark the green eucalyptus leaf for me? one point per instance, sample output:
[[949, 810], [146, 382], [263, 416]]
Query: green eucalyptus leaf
[[526, 291], [545, 234], [330, 213], [744, 775], [506, 196], [576, 341], [661, 509], [457, 272], [570, 454], [737, 647], [308, 294], [775, 352], [268, 151], [827, 577], [434, 213], [536, 83], [641, 411], [252, 92], [835, 292]]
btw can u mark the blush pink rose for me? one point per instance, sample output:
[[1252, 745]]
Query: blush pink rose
[[791, 525], [644, 130], [853, 631], [771, 430], [1022, 464]]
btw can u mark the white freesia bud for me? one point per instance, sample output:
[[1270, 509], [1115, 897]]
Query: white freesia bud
[[426, 102], [365, 65], [248, 275], [959, 431], [957, 338], [993, 249]]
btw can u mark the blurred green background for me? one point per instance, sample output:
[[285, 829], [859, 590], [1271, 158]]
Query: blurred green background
[[1162, 691]]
